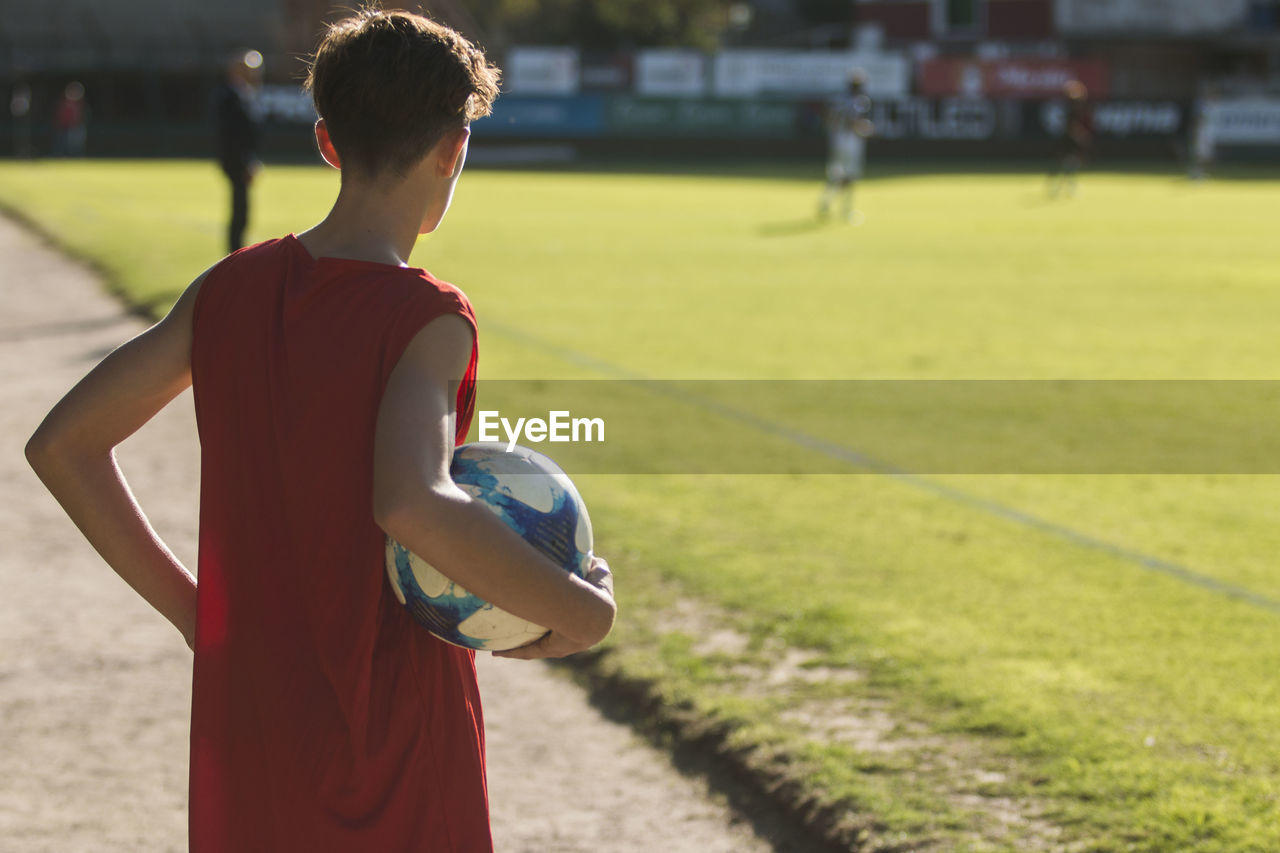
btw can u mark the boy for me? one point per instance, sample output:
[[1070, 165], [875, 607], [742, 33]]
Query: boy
[[849, 126], [331, 381]]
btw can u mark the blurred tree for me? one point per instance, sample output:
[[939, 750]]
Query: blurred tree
[[595, 24], [655, 23], [826, 11]]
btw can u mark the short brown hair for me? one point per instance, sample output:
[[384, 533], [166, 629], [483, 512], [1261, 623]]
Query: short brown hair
[[389, 85]]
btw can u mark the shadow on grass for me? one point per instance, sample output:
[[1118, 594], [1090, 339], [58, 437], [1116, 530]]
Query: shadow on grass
[[1045, 197], [149, 309], [793, 227], [763, 792]]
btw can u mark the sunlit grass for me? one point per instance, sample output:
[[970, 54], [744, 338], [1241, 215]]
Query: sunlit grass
[[1123, 704]]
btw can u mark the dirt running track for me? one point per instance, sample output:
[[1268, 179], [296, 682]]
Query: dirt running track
[[95, 688]]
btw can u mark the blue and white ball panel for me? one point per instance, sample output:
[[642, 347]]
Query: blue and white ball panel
[[534, 497], [447, 610], [516, 482]]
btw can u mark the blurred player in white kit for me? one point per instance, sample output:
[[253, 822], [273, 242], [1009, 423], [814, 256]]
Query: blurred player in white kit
[[1204, 140], [849, 125]]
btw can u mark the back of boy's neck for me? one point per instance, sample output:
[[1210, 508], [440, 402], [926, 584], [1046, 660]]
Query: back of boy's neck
[[362, 227], [368, 245]]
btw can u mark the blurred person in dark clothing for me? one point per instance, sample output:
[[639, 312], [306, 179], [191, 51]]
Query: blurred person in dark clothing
[[1077, 138], [20, 110], [238, 137]]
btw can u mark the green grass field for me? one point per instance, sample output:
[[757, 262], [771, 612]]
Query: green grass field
[[962, 662]]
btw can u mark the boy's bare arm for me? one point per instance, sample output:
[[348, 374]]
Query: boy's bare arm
[[73, 453], [417, 503], [555, 645]]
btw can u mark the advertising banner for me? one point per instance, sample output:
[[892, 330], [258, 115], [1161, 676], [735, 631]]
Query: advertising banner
[[576, 116], [1115, 119], [1190, 17], [1245, 121], [676, 117], [595, 116], [937, 119], [284, 104], [605, 72], [1033, 77], [749, 73], [671, 72], [541, 71]]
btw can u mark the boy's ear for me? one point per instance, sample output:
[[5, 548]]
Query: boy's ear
[[327, 151], [452, 152]]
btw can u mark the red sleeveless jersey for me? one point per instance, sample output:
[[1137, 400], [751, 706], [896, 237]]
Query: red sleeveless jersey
[[323, 718]]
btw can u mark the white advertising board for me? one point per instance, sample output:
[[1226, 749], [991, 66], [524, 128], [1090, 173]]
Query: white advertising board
[[671, 72], [541, 71], [747, 73], [286, 104], [1148, 16], [1245, 121]]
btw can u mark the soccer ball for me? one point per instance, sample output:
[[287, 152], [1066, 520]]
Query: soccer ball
[[537, 500]]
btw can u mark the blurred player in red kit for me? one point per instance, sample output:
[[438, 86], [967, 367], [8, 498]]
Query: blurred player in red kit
[[71, 121]]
